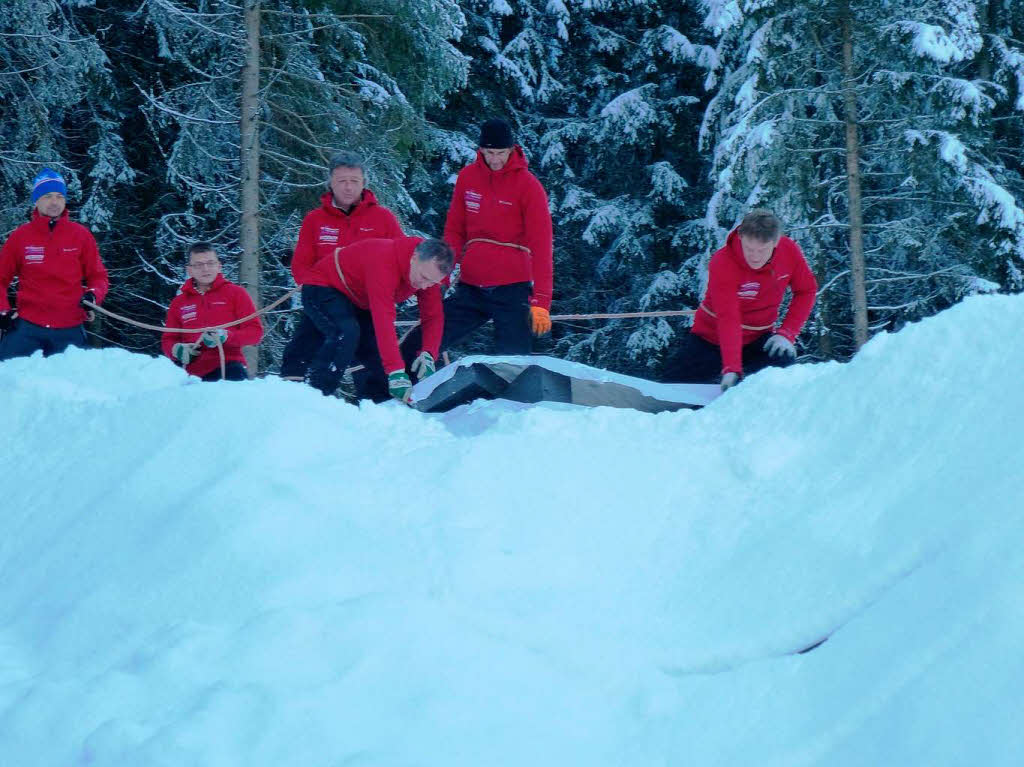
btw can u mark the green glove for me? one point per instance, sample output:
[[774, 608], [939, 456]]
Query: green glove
[[399, 385], [423, 365], [183, 353], [212, 337]]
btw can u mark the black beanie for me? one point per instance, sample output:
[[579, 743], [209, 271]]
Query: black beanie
[[496, 134]]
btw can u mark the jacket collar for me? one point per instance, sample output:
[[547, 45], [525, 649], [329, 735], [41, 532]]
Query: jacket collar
[[368, 200], [43, 221], [516, 161], [189, 288]]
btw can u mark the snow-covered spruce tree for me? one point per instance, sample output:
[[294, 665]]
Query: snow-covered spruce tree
[[330, 75], [1002, 63], [869, 128], [50, 110], [618, 145], [58, 108], [512, 49], [600, 95]]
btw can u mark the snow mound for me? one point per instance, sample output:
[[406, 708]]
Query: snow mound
[[226, 574]]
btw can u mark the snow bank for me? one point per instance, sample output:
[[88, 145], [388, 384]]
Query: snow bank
[[226, 574]]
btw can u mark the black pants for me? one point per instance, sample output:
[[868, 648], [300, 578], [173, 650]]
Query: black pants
[[303, 345], [26, 338], [348, 336], [370, 381], [470, 307], [233, 371], [695, 360]]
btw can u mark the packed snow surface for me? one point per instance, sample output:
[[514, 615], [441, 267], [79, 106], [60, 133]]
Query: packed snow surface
[[252, 574]]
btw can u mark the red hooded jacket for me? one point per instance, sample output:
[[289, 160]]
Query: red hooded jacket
[[224, 302], [54, 268], [510, 206], [742, 303], [376, 278], [328, 227]]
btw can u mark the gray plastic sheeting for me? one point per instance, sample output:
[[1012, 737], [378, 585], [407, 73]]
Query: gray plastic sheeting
[[546, 379]]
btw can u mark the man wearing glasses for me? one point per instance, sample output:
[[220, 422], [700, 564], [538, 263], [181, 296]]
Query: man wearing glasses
[[208, 300]]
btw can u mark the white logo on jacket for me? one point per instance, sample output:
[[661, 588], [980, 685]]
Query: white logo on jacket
[[473, 199], [367, 229], [328, 234], [749, 290], [34, 254], [189, 312]]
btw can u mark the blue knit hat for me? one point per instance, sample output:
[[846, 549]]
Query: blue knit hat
[[48, 181]]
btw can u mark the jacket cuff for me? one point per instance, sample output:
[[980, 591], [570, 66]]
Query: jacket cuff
[[539, 299]]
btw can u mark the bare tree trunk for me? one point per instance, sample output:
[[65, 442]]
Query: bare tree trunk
[[858, 291], [249, 237]]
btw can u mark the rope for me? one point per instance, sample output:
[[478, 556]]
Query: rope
[[613, 316], [341, 275], [622, 315], [164, 329], [220, 345], [745, 327], [515, 245], [410, 324]]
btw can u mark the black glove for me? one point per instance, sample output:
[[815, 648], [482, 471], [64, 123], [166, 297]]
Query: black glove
[[87, 296], [7, 319]]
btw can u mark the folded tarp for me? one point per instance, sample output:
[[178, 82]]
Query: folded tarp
[[546, 379]]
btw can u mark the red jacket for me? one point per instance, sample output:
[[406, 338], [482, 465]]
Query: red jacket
[[743, 303], [376, 278], [54, 268], [224, 302], [328, 227], [508, 205]]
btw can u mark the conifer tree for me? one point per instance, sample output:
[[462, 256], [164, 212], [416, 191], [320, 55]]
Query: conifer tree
[[604, 100], [339, 75], [905, 126]]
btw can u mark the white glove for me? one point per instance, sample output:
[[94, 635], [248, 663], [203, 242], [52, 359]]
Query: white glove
[[213, 337], [423, 365], [780, 346], [729, 380], [184, 353]]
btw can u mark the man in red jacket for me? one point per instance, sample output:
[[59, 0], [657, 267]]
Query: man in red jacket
[[499, 226], [58, 268], [348, 213], [736, 328], [204, 302], [351, 296]]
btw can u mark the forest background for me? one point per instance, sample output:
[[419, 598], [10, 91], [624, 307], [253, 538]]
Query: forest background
[[887, 134]]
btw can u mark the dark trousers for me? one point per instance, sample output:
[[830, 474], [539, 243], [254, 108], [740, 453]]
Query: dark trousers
[[469, 307], [303, 345], [370, 381], [695, 360], [26, 338], [348, 336], [233, 371]]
